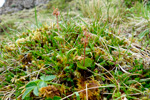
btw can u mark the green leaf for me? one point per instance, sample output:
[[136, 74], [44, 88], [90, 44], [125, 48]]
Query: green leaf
[[31, 84], [47, 78], [42, 84], [88, 62], [27, 92], [78, 96], [36, 91], [56, 98], [36, 81], [142, 34], [48, 99], [50, 77], [80, 65], [42, 77]]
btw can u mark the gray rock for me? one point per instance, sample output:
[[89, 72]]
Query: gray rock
[[39, 2], [28, 3], [11, 6]]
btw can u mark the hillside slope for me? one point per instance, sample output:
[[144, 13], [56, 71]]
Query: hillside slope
[[77, 55]]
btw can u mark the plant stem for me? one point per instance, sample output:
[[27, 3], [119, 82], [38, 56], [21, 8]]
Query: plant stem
[[57, 23], [84, 53]]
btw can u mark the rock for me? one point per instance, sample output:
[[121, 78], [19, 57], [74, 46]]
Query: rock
[[28, 4], [11, 6], [39, 2]]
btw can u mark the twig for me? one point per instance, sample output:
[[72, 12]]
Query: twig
[[86, 93], [86, 89]]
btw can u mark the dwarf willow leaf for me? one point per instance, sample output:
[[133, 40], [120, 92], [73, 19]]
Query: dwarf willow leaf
[[80, 65], [88, 62]]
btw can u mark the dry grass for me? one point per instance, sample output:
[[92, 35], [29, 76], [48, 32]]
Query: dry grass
[[101, 10]]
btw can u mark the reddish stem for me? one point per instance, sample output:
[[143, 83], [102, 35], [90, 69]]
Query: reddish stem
[[84, 53], [57, 23]]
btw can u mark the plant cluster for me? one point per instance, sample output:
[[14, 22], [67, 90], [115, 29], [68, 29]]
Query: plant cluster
[[98, 61], [74, 59]]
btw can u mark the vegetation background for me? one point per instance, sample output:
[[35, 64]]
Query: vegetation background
[[76, 50]]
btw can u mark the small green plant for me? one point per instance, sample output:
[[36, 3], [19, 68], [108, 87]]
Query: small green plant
[[36, 85]]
